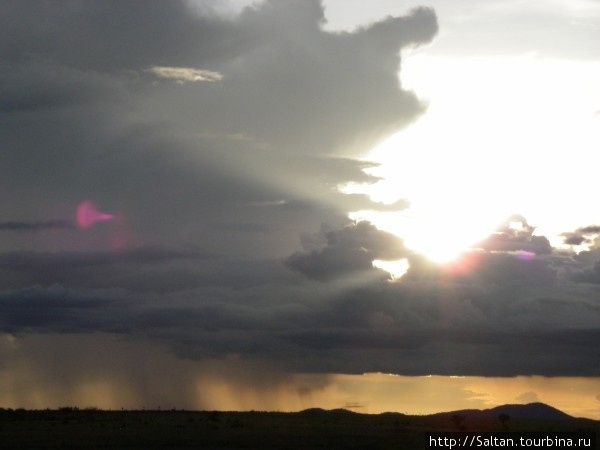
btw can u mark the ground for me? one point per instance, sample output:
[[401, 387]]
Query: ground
[[94, 429]]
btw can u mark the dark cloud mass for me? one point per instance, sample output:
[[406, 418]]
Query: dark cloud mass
[[346, 250], [84, 117], [467, 317], [583, 235], [36, 226], [104, 36], [217, 169]]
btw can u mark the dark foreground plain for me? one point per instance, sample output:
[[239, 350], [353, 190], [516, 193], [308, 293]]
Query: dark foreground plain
[[71, 428]]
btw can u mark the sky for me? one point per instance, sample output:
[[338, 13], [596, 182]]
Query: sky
[[382, 206]]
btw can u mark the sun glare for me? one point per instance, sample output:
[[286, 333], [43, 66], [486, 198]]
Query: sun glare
[[437, 234], [489, 146], [395, 268]]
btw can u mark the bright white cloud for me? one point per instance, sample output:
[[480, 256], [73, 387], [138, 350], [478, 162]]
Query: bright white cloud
[[501, 136], [184, 74]]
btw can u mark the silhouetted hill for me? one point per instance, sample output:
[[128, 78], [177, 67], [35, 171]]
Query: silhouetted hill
[[314, 428], [531, 411], [539, 411], [321, 411]]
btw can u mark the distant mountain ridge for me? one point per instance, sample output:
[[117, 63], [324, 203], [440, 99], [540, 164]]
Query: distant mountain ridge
[[532, 411], [536, 410], [321, 411]]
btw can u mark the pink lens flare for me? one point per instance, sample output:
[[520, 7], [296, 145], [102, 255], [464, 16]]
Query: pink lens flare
[[524, 255], [87, 215]]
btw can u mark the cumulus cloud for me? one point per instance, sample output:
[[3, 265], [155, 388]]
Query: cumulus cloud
[[514, 235], [352, 248], [584, 266], [511, 256]]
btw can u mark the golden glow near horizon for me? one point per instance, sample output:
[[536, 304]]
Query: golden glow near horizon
[[165, 381], [501, 136], [33, 381]]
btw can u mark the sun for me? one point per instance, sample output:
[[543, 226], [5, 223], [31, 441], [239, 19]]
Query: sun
[[487, 147], [429, 234], [395, 268]]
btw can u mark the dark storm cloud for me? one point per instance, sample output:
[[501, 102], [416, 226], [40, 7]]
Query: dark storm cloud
[[310, 86], [316, 91], [590, 274], [35, 261], [108, 35], [587, 267], [239, 167], [36, 226], [204, 306], [352, 248], [139, 269], [41, 85], [499, 316], [53, 309], [414, 327], [85, 117]]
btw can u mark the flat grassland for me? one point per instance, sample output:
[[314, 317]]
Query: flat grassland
[[96, 429]]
